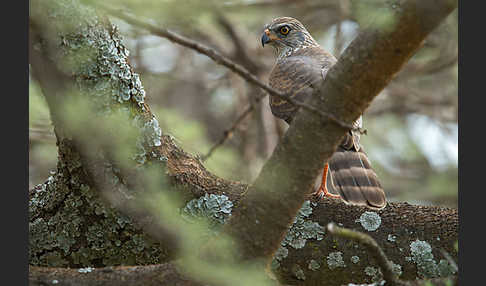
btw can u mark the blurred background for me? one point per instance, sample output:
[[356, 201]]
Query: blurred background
[[412, 130]]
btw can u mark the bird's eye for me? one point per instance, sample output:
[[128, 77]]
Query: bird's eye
[[284, 30]]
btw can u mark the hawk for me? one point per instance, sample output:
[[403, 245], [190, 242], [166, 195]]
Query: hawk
[[300, 66]]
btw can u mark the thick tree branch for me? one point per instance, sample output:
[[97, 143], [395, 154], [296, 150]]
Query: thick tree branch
[[150, 275], [373, 249]]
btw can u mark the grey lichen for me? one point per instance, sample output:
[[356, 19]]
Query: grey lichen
[[82, 231], [424, 259], [445, 268], [427, 267], [354, 259], [396, 268], [280, 254], [370, 221], [152, 132], [298, 272], [302, 229], [313, 265], [374, 273], [93, 53], [69, 224], [149, 137], [85, 270], [392, 238], [335, 260], [215, 208]]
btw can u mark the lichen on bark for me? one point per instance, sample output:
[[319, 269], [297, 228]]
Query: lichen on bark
[[80, 230], [70, 224]]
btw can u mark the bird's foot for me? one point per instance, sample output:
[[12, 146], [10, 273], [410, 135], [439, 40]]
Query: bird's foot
[[323, 192]]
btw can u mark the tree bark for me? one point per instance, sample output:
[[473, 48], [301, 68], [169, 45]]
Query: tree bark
[[149, 275], [72, 225]]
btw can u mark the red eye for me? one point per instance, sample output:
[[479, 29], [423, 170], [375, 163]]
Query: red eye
[[284, 30]]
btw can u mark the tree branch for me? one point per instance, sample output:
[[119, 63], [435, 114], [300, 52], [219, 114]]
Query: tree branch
[[151, 275]]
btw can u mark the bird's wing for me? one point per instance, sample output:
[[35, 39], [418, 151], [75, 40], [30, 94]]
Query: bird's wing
[[297, 76]]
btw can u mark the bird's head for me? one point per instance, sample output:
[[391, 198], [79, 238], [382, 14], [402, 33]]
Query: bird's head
[[286, 34]]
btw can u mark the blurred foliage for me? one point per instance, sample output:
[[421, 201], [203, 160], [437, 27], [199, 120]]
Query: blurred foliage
[[191, 136], [42, 144], [195, 99]]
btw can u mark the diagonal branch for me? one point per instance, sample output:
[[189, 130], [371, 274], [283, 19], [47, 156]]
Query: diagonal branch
[[224, 61]]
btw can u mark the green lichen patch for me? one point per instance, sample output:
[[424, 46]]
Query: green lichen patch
[[396, 268], [313, 265], [93, 53], [335, 260], [302, 229], [81, 231], [374, 273], [150, 137], [354, 259], [216, 209], [427, 267], [297, 235], [279, 255], [298, 272], [370, 221], [70, 224]]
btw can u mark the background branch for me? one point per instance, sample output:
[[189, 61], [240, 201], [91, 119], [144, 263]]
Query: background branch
[[229, 132], [222, 60]]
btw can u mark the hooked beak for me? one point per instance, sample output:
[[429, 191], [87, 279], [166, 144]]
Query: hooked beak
[[267, 37]]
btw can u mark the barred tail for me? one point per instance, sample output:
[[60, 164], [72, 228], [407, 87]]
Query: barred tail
[[353, 178]]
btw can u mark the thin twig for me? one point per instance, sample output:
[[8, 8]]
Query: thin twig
[[240, 51], [222, 60], [229, 132], [374, 250]]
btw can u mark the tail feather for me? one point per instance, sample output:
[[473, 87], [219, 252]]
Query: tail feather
[[353, 178]]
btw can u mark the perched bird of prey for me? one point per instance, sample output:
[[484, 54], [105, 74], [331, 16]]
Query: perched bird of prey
[[300, 66]]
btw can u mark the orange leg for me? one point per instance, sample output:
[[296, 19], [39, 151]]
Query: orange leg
[[323, 192]]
